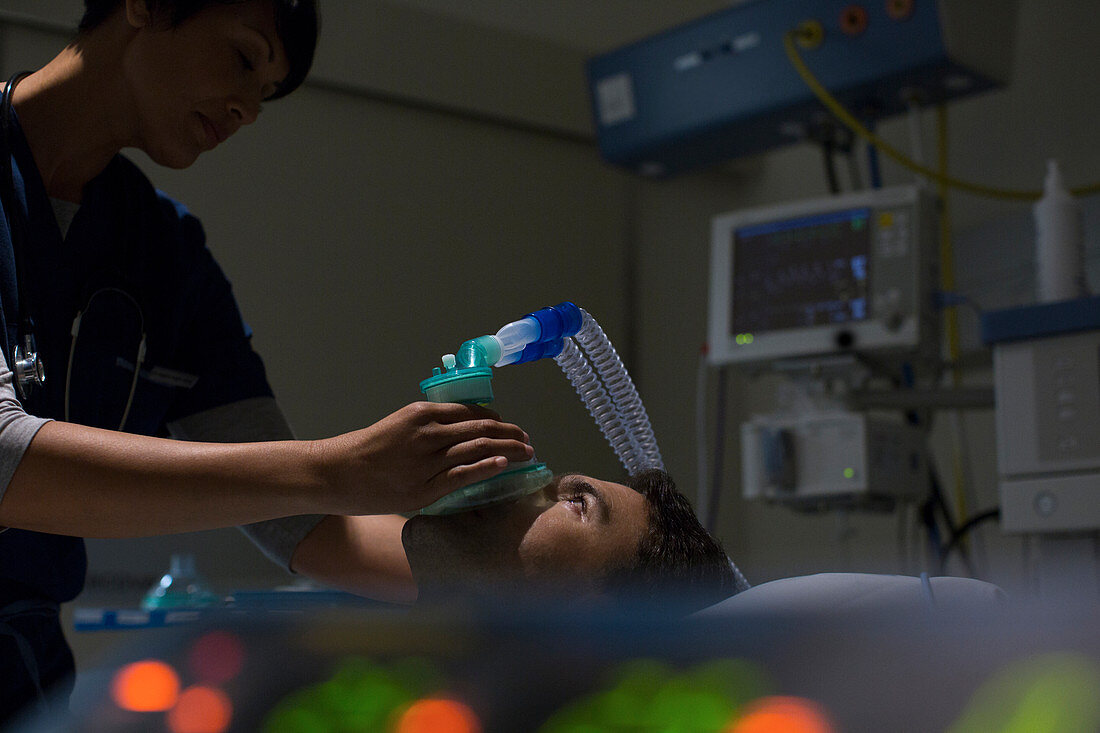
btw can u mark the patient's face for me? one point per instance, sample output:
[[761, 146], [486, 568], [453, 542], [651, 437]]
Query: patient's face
[[566, 536]]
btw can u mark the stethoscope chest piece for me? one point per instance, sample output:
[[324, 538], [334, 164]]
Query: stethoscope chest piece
[[29, 370]]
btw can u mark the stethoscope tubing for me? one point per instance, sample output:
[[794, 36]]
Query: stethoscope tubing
[[28, 368], [27, 365]]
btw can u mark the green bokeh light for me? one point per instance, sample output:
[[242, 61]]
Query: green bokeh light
[[360, 695], [645, 695], [1054, 693]]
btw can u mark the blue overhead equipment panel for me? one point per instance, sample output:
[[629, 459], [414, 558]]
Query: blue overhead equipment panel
[[723, 86]]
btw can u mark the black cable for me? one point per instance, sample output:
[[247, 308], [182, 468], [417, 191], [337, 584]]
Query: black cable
[[719, 452], [941, 503], [853, 168], [827, 150], [927, 516], [961, 533], [938, 502]]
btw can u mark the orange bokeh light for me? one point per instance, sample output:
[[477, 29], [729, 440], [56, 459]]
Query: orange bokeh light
[[201, 709], [438, 716], [782, 715], [147, 686]]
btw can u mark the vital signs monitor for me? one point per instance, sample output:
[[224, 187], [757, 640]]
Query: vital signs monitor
[[847, 273]]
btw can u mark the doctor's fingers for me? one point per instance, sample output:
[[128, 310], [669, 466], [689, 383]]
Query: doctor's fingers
[[468, 430], [447, 413], [455, 477], [472, 451]]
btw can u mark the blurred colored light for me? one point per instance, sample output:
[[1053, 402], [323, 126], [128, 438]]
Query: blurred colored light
[[216, 657], [1051, 693], [145, 687], [438, 716], [650, 696], [201, 710], [782, 715], [362, 695]]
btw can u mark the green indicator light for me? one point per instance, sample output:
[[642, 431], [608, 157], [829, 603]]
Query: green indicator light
[[849, 472], [858, 224], [748, 338]]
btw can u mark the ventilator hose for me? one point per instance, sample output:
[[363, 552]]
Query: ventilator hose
[[628, 403], [590, 363], [575, 365]]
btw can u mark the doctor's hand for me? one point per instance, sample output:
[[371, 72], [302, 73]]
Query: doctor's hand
[[416, 455]]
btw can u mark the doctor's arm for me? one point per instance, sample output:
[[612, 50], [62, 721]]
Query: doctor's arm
[[87, 482], [357, 554]]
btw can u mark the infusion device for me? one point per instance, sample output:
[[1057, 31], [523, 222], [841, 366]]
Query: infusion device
[[849, 273]]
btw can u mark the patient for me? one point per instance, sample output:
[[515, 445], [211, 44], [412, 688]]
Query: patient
[[579, 537]]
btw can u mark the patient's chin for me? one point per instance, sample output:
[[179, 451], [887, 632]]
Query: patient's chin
[[499, 589], [453, 559]]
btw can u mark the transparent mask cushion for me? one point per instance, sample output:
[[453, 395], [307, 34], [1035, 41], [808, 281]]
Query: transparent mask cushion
[[515, 483]]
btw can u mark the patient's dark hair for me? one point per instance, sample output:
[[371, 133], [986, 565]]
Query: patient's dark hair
[[678, 565], [296, 21]]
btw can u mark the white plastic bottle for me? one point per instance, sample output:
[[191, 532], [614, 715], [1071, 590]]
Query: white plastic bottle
[[1059, 242]]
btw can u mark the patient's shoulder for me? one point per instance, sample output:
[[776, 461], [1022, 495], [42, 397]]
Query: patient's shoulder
[[832, 594]]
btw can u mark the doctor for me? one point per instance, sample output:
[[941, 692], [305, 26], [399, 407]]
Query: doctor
[[109, 284]]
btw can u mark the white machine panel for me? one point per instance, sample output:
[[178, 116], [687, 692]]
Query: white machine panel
[[1052, 504], [1048, 432], [1048, 405], [836, 458], [845, 273]]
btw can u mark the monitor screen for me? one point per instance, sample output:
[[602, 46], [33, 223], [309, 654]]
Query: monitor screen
[[803, 272]]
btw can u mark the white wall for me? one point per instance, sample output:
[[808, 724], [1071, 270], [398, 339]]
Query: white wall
[[366, 236]]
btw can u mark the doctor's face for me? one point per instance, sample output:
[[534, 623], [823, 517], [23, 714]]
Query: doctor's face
[[566, 537], [194, 85]]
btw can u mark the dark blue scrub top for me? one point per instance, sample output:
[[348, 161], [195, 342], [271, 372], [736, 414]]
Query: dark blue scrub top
[[125, 236]]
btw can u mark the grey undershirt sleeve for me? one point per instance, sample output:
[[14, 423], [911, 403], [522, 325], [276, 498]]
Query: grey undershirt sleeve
[[252, 420], [17, 428]]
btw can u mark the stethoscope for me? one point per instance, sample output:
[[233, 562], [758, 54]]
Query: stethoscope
[[28, 368]]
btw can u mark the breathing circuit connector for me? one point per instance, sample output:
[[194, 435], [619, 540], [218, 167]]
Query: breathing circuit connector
[[558, 321], [480, 352], [537, 335], [542, 350]]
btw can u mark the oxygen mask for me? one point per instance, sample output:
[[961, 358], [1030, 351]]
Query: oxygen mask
[[466, 379], [572, 338]]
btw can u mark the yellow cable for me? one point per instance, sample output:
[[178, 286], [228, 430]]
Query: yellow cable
[[790, 40], [947, 248], [947, 282]]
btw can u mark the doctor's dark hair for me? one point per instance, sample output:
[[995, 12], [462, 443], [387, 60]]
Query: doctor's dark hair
[[296, 21], [679, 566]]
